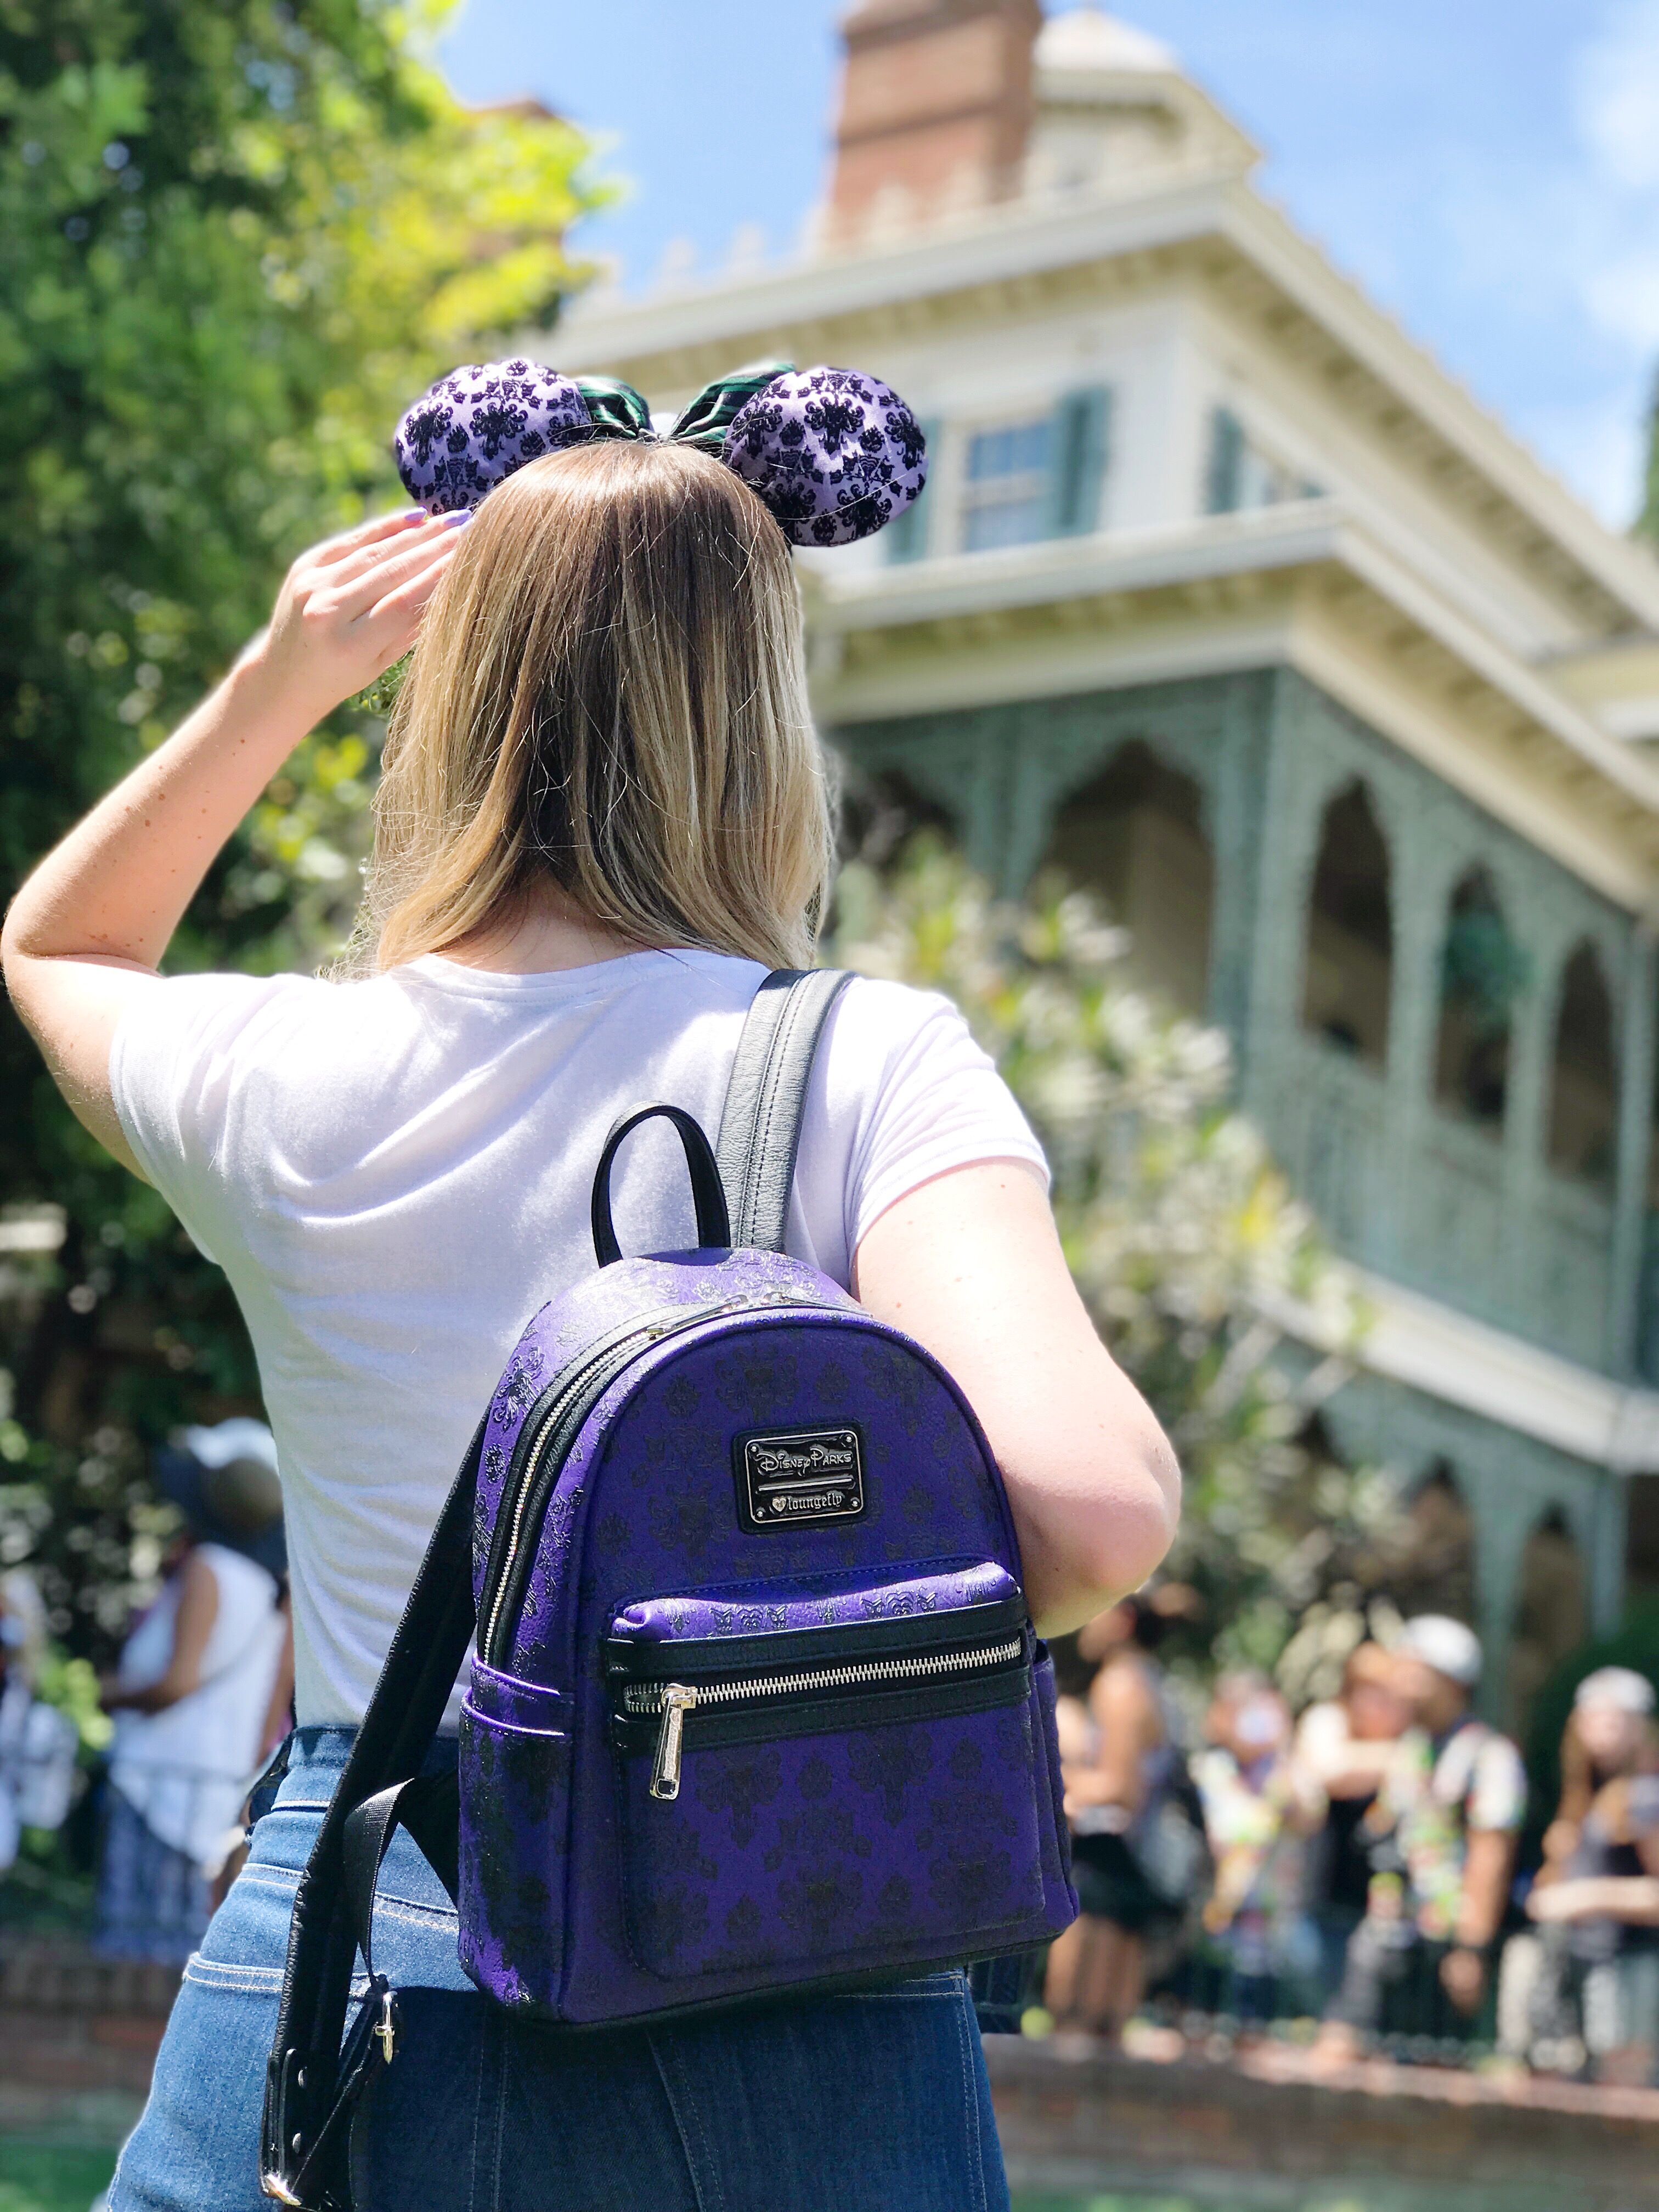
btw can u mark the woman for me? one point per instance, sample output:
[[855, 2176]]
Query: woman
[[1346, 1749], [190, 1696], [1120, 1759], [603, 815], [1258, 1811], [1600, 1884]]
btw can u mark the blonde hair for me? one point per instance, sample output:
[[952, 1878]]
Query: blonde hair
[[609, 696]]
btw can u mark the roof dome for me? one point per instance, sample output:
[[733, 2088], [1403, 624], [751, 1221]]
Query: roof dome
[[1089, 39]]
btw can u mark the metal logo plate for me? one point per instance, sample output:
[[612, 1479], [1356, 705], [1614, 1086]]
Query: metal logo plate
[[796, 1476]]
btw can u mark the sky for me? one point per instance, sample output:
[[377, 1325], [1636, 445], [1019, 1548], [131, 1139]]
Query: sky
[[1487, 170]]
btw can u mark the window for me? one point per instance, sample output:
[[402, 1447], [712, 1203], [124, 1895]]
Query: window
[[1482, 972], [1005, 500], [1240, 475], [1134, 835], [1350, 970], [1584, 1085]]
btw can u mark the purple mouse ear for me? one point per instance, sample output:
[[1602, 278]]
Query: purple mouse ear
[[477, 424], [834, 454]]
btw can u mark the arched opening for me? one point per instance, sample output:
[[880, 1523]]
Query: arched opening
[[1435, 1565], [1135, 837], [1482, 971], [880, 811], [1641, 1538], [1583, 1080], [1552, 1612], [1350, 971]]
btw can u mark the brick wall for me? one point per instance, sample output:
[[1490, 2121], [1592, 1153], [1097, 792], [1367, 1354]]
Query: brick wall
[[1260, 2129], [78, 2037]]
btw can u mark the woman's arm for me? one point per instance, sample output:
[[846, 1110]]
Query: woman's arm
[[1631, 1897], [86, 933], [970, 1265], [198, 1608]]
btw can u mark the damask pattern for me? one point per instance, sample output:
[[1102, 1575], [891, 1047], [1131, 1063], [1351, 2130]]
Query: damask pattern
[[478, 424], [871, 1847], [835, 454], [713, 1613], [803, 1854]]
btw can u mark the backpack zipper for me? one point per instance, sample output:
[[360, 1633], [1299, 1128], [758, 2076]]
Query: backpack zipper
[[568, 1412], [674, 1700]]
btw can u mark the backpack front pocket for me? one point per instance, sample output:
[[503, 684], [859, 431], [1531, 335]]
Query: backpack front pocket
[[814, 1779]]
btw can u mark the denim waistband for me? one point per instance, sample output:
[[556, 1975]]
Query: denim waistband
[[314, 1757]]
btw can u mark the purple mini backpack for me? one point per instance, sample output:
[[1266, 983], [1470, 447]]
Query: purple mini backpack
[[756, 1706]]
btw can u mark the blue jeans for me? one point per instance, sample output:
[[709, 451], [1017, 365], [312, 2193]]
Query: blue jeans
[[850, 2104]]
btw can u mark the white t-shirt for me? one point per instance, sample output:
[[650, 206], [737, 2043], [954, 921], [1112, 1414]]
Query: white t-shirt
[[395, 1174]]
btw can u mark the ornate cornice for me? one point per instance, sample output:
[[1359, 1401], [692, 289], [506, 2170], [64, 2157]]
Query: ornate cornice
[[1016, 263], [1308, 585]]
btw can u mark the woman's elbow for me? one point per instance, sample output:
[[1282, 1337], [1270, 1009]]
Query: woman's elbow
[[1110, 1535], [1130, 1533]]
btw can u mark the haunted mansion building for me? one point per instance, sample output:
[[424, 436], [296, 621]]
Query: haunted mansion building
[[1224, 596]]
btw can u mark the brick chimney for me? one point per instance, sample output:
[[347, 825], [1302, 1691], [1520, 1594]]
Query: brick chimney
[[935, 106]]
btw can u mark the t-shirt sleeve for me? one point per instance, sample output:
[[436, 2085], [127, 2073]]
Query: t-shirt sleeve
[[174, 1069], [907, 1094], [1497, 1793]]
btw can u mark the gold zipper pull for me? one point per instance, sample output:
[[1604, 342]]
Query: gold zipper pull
[[677, 1703]]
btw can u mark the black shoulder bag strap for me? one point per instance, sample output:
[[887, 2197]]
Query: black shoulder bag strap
[[766, 1099], [312, 2084]]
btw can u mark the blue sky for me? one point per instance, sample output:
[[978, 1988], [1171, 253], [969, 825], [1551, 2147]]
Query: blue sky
[[1487, 169]]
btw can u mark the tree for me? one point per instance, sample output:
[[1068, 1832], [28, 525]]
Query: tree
[[1182, 1236], [236, 237]]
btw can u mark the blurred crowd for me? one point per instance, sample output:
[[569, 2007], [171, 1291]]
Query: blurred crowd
[[1356, 1865], [1356, 1868], [200, 1696]]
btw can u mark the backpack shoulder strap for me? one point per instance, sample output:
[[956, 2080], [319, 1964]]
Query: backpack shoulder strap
[[766, 1097], [311, 2084]]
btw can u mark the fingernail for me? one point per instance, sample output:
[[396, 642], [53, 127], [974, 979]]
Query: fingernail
[[413, 514], [457, 515]]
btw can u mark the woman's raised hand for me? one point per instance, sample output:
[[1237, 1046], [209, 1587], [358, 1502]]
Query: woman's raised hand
[[351, 606]]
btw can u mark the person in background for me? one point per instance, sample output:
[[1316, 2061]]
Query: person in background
[[1346, 1749], [38, 1745], [1258, 1811], [1454, 1805], [1600, 1883], [193, 1695], [1119, 1754]]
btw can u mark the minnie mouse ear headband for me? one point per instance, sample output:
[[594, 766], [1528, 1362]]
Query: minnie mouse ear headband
[[833, 454]]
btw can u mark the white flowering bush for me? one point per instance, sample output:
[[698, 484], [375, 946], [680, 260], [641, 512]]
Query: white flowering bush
[[1183, 1237]]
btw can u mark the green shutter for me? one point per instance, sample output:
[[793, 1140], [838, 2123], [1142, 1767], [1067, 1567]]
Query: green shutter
[[1077, 463], [1223, 487], [907, 537]]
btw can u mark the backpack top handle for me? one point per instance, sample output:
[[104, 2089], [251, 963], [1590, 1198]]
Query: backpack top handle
[[714, 1228]]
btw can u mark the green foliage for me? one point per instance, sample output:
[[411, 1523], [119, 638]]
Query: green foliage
[[236, 236], [1181, 1234]]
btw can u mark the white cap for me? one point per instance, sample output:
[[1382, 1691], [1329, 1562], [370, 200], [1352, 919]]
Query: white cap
[[1438, 1641], [240, 1438], [1621, 1687]]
